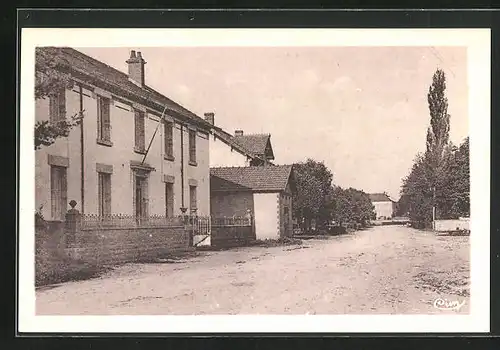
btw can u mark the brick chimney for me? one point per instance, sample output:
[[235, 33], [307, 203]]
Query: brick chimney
[[210, 117], [238, 133], [136, 67]]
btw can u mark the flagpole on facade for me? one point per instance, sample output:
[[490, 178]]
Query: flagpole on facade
[[151, 141]]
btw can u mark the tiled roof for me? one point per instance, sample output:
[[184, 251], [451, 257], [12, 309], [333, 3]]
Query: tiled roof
[[229, 139], [92, 68], [255, 143], [379, 197], [254, 178]]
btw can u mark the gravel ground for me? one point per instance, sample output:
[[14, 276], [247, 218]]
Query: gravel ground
[[382, 270]]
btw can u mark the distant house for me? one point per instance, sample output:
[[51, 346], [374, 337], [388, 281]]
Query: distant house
[[238, 149], [384, 205], [263, 191]]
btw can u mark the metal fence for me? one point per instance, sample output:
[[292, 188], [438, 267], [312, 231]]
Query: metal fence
[[232, 221], [89, 221], [200, 225]]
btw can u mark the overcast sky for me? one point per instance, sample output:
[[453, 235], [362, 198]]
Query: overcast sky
[[361, 110]]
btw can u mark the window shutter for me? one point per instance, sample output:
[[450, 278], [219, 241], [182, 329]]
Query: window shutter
[[192, 145], [64, 192], [169, 145], [139, 130], [99, 118], [107, 194], [53, 108], [106, 120], [54, 192], [100, 193], [145, 196], [61, 112]]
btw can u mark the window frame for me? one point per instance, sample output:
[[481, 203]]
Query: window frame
[[192, 147], [104, 184], [104, 121], [168, 139], [58, 192], [169, 199], [193, 197], [139, 148], [57, 105]]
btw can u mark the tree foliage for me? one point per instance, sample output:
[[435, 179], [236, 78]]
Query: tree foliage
[[440, 177], [52, 74], [352, 205], [310, 202]]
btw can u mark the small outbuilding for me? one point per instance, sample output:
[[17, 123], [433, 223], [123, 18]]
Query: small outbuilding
[[263, 191]]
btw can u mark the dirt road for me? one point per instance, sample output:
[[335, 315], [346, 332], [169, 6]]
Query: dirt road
[[382, 270]]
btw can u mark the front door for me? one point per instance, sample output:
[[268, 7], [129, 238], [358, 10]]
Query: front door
[[140, 197]]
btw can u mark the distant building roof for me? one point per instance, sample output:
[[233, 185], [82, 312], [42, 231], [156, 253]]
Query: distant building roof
[[83, 66], [380, 197], [253, 178], [259, 144], [230, 140]]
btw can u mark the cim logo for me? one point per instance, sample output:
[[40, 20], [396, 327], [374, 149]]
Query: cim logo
[[444, 304]]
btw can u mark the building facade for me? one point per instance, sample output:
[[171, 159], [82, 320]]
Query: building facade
[[264, 192], [384, 205], [136, 152]]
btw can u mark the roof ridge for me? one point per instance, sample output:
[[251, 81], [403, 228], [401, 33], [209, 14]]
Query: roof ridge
[[145, 88]]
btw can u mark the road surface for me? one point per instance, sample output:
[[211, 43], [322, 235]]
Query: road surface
[[382, 270]]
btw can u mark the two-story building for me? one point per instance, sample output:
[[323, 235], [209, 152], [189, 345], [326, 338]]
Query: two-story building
[[136, 152]]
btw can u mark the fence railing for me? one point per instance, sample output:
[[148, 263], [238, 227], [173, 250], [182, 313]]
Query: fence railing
[[200, 225], [89, 221], [231, 221]]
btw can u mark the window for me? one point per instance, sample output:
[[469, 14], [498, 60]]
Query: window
[[169, 199], [192, 198], [103, 120], [139, 132], [58, 192], [57, 106], [104, 193], [192, 147], [169, 142]]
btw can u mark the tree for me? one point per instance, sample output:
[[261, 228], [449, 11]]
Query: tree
[[439, 129], [440, 177], [52, 74], [417, 191], [352, 205], [310, 202]]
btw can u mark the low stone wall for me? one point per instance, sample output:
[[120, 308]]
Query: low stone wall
[[61, 255], [231, 236], [119, 245]]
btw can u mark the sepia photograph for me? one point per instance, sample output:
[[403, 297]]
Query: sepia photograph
[[243, 179]]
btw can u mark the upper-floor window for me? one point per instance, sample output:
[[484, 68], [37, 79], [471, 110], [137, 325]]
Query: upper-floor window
[[103, 119], [57, 105], [169, 141], [140, 140], [192, 146]]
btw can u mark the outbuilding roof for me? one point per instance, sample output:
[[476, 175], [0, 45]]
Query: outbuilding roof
[[271, 178]]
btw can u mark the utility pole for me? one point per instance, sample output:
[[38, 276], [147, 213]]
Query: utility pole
[[433, 207]]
